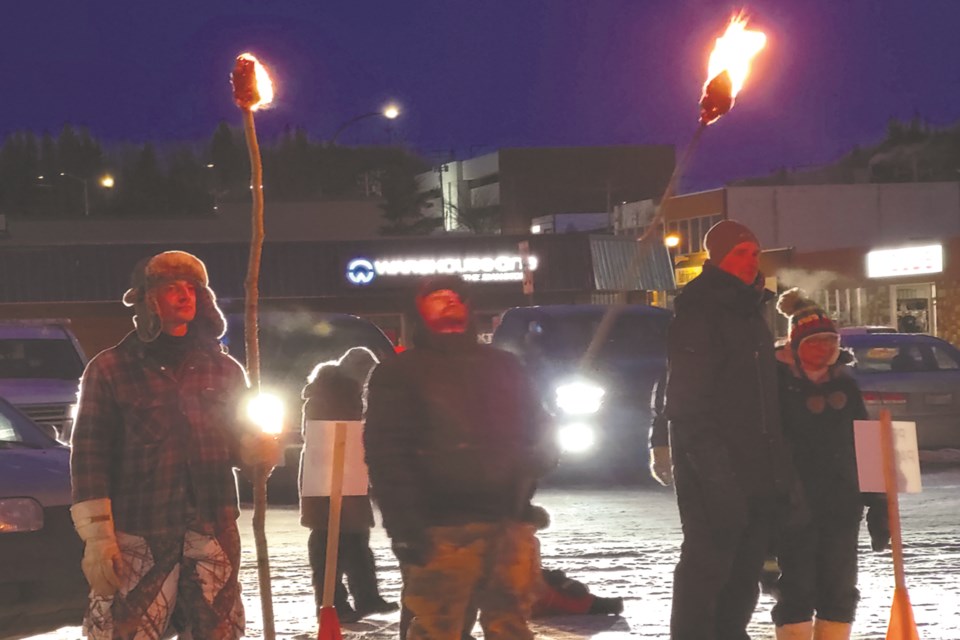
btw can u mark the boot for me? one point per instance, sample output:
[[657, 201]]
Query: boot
[[796, 631], [830, 630], [608, 606]]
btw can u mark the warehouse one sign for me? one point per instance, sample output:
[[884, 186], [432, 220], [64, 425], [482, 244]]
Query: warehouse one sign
[[480, 268]]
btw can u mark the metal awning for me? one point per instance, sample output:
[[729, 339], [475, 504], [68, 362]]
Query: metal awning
[[624, 263]]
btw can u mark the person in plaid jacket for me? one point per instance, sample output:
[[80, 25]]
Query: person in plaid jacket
[[157, 436]]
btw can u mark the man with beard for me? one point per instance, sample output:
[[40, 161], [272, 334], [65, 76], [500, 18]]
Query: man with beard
[[455, 441], [731, 469]]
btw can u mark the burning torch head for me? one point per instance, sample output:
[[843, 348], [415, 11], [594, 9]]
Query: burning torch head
[[728, 68], [252, 87]]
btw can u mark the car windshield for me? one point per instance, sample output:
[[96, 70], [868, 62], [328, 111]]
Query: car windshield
[[39, 358], [291, 345], [569, 336], [905, 356]]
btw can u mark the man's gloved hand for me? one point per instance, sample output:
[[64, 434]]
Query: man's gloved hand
[[413, 549], [260, 450], [101, 564], [661, 467], [878, 525]]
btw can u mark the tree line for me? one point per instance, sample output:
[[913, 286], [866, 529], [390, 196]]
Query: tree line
[[63, 176]]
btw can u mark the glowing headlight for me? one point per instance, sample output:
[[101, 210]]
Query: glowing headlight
[[579, 398], [18, 515], [266, 411], [576, 438]]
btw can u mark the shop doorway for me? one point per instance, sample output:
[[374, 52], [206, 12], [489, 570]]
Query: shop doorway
[[913, 308]]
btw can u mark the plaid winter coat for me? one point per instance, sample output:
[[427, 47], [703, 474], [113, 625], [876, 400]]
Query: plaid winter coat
[[161, 444]]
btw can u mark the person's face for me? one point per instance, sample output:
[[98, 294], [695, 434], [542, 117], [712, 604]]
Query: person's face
[[444, 312], [176, 305], [743, 261], [819, 350]]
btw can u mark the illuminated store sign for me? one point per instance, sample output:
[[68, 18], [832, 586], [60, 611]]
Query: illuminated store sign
[[908, 261], [500, 268]]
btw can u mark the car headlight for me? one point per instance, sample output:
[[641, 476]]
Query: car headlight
[[266, 410], [18, 515], [576, 438], [579, 398]]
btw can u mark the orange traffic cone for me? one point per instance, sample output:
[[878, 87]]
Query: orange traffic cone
[[329, 622]]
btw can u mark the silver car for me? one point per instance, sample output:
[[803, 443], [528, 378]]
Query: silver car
[[916, 376], [41, 585]]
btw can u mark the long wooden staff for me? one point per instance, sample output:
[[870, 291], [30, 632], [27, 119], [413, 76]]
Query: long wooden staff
[[247, 95]]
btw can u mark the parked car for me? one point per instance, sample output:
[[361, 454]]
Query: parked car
[[602, 411], [40, 367], [41, 585], [916, 376], [292, 343]]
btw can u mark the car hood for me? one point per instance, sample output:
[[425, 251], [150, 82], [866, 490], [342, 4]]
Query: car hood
[[628, 377], [21, 392], [41, 474]]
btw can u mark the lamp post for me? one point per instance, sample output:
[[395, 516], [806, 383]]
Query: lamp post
[[106, 181], [390, 112]]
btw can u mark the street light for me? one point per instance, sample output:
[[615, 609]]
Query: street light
[[106, 181], [390, 112]]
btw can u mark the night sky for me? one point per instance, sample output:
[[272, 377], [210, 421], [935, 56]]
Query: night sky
[[475, 76]]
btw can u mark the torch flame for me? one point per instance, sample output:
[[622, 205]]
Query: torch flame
[[729, 67], [252, 87]]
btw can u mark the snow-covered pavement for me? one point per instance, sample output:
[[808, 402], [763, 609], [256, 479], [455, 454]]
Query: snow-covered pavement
[[624, 542]]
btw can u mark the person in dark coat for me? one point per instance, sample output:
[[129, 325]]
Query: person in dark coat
[[732, 473], [455, 439], [334, 391], [820, 400]]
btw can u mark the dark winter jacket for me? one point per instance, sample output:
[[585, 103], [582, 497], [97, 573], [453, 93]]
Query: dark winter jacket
[[454, 434], [818, 426], [722, 391], [333, 396]]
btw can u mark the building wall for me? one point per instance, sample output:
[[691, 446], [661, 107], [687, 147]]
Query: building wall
[[542, 181], [822, 217], [283, 221]]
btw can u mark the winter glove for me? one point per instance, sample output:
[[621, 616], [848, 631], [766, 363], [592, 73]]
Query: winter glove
[[93, 520], [414, 548], [259, 450], [661, 467], [877, 523]]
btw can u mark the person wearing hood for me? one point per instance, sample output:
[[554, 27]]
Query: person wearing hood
[[731, 470], [820, 400], [334, 391], [456, 439], [157, 437]]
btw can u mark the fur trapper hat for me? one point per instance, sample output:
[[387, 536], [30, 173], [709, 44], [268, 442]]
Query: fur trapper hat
[[164, 268], [807, 318]]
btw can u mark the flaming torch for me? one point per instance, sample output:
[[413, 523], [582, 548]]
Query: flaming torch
[[252, 90], [727, 70]]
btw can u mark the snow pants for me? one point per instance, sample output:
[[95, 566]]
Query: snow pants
[[818, 573], [189, 582], [715, 584], [494, 566], [354, 561]]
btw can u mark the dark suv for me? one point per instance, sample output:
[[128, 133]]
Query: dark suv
[[602, 409], [292, 343]]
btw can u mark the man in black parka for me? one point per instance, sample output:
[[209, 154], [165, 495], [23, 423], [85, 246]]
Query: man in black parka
[[731, 469], [455, 440]]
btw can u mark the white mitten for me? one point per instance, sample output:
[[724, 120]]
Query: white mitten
[[93, 520]]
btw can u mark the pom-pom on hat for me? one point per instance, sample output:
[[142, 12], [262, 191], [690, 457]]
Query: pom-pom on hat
[[807, 318]]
